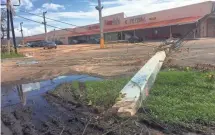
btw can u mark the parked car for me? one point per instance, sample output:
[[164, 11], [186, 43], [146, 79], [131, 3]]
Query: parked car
[[49, 45], [19, 46], [176, 35], [93, 41], [74, 42], [58, 42], [28, 44], [42, 43], [134, 39], [34, 44], [80, 41]]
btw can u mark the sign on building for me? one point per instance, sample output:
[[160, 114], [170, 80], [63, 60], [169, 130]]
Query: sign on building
[[135, 20], [114, 21]]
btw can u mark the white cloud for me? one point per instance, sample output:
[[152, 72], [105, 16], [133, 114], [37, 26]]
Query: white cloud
[[26, 4], [30, 31], [52, 6], [37, 11], [48, 7], [129, 7]]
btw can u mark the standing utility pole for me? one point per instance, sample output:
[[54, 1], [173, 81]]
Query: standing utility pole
[[22, 33], [44, 22], [54, 35], [13, 32], [99, 8], [10, 18], [8, 26]]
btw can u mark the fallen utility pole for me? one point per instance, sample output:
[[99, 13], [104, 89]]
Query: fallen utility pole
[[137, 89], [44, 22], [99, 8]]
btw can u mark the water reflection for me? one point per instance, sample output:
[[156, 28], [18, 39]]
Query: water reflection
[[22, 93]]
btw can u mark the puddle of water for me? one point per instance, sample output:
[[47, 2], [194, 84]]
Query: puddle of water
[[31, 92], [27, 62]]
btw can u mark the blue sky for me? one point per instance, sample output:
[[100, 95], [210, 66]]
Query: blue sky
[[83, 12]]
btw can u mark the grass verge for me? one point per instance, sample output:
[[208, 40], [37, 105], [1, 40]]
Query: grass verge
[[177, 99], [95, 93], [182, 99], [11, 55]]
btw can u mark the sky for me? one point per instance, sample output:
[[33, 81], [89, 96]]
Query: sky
[[82, 12]]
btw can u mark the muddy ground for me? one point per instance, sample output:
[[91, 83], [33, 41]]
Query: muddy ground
[[49, 115], [116, 60], [55, 116]]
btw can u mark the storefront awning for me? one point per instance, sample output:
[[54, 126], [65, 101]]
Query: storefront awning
[[180, 21]]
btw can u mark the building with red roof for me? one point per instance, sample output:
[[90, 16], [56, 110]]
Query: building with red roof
[[198, 20]]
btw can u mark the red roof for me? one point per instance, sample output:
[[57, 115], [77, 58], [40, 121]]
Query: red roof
[[179, 21]]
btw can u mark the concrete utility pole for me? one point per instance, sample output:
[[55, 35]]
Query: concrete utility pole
[[8, 26], [54, 35], [13, 32], [44, 22], [99, 8], [22, 33]]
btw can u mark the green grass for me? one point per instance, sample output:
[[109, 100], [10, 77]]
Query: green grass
[[183, 98], [105, 93], [96, 93], [11, 55], [178, 98]]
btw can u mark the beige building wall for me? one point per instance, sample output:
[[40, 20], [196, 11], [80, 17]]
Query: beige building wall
[[203, 29], [200, 9], [211, 27]]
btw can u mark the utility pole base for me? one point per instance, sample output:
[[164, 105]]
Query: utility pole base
[[8, 46], [102, 43]]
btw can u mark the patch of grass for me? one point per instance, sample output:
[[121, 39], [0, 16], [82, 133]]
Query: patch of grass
[[183, 98], [178, 98], [11, 55], [96, 93], [104, 93]]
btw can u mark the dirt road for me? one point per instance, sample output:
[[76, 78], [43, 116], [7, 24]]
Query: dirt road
[[195, 53], [115, 60]]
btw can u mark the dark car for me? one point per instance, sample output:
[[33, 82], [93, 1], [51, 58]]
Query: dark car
[[80, 41], [49, 45], [34, 44], [134, 39], [58, 42], [176, 35], [73, 41], [93, 41]]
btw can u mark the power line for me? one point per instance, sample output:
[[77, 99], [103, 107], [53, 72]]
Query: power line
[[47, 24], [29, 19], [49, 18], [56, 20]]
